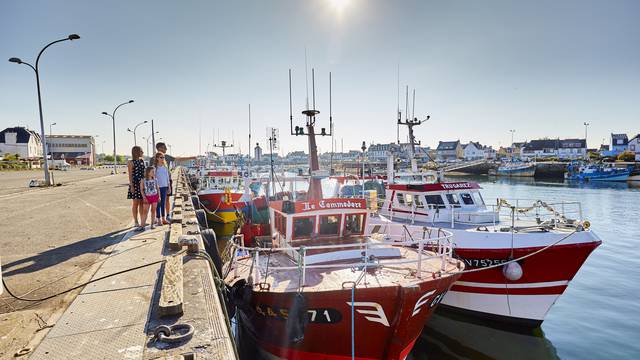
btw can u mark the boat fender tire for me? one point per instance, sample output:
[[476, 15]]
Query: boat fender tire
[[209, 236], [298, 319], [512, 271], [201, 215], [196, 202]]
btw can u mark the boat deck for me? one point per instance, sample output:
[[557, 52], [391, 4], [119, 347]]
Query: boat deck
[[386, 272]]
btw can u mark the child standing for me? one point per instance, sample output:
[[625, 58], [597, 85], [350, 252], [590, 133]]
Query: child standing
[[162, 177], [149, 188]]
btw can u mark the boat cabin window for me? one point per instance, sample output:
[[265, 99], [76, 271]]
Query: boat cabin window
[[435, 201], [418, 201], [408, 199], [466, 198], [303, 227], [478, 198], [400, 199], [329, 225], [453, 200], [353, 224]]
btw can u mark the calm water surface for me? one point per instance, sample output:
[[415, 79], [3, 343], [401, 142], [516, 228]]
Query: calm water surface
[[598, 316]]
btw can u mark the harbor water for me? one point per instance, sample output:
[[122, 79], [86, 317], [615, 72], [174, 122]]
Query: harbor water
[[598, 316]]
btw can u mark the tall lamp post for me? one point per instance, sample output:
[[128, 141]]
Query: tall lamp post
[[512, 131], [135, 139], [586, 125], [113, 118], [47, 176]]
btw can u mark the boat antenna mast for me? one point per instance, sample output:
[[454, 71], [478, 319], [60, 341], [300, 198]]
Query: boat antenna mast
[[410, 123], [315, 188], [223, 145]]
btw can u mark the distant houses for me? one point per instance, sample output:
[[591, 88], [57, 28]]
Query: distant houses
[[449, 150], [21, 141], [563, 149], [634, 146]]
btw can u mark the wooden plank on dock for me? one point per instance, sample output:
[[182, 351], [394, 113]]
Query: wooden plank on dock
[[177, 202], [174, 236], [176, 218], [171, 294]]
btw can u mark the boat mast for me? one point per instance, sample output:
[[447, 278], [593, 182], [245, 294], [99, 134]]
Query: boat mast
[[410, 123], [223, 145], [315, 186]]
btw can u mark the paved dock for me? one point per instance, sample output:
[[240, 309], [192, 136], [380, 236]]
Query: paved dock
[[115, 317]]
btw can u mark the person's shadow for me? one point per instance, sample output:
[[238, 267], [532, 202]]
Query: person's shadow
[[61, 254]]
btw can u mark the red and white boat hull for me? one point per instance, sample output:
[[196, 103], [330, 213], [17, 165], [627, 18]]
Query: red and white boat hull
[[387, 321], [525, 301]]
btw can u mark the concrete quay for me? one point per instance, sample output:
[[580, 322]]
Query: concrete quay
[[115, 317]]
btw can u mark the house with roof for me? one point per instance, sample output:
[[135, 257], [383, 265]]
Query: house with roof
[[634, 146], [22, 141], [449, 150], [619, 143], [473, 151], [380, 152], [567, 149]]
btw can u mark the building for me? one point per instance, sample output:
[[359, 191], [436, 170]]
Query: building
[[21, 141], [634, 146], [257, 152], [380, 152], [567, 149], [297, 157], [449, 150], [619, 143], [473, 151], [74, 149]]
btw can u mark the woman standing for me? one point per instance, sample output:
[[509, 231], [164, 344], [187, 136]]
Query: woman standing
[[162, 177], [136, 173]]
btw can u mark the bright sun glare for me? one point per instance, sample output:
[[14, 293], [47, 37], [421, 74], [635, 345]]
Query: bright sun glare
[[339, 5]]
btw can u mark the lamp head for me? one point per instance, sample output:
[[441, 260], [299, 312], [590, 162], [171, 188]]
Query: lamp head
[[54, 123], [130, 101], [74, 37], [104, 113], [129, 130], [15, 60], [144, 122]]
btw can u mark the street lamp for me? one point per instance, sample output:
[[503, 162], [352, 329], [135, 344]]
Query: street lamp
[[113, 118], [51, 128], [148, 140], [47, 176], [135, 139]]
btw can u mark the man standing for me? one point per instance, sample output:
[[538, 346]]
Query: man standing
[[162, 147]]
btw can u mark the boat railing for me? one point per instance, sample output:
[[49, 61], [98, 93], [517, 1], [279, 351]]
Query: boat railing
[[429, 243]]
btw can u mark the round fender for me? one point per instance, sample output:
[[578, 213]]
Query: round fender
[[209, 237], [201, 215], [196, 202]]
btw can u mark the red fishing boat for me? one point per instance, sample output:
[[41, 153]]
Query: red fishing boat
[[333, 286]]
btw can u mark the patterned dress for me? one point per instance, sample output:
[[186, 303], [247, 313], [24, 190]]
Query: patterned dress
[[137, 174]]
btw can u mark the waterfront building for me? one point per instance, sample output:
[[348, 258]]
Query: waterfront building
[[567, 149], [473, 151], [21, 141], [619, 143], [74, 149], [380, 152], [634, 146], [449, 150], [296, 157]]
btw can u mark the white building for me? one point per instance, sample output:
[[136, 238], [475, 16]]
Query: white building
[[473, 151], [74, 149], [380, 152], [634, 146], [22, 141], [567, 149]]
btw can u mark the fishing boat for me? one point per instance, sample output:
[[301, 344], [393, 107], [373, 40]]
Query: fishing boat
[[223, 195], [548, 243], [330, 285], [516, 170], [596, 172], [520, 255]]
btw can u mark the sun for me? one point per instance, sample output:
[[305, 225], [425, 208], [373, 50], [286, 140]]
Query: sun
[[339, 5]]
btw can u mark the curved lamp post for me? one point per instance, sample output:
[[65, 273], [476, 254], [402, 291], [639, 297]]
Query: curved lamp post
[[135, 139], [113, 118], [47, 178]]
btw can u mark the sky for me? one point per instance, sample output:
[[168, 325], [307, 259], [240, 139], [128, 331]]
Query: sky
[[479, 69]]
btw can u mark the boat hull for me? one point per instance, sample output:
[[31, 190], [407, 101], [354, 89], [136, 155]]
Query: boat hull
[[528, 171], [220, 209], [527, 300], [387, 321]]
